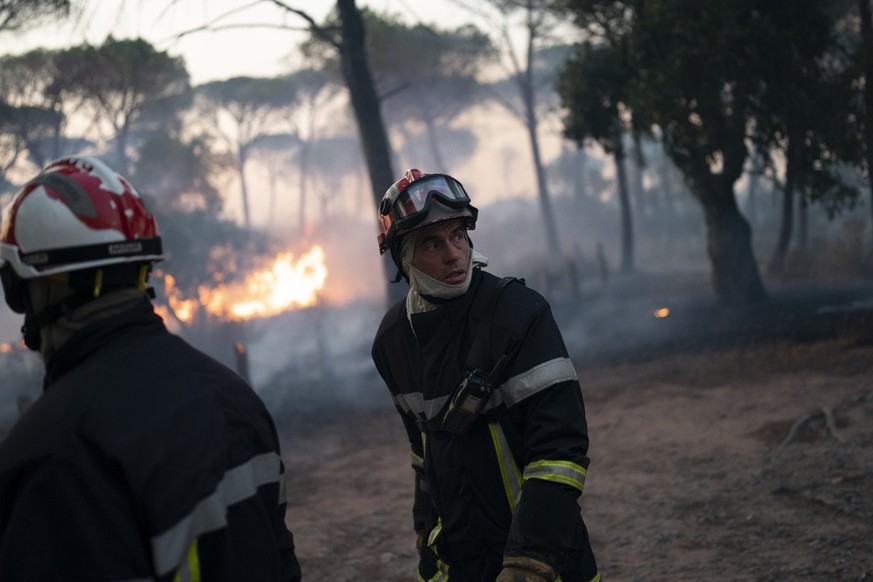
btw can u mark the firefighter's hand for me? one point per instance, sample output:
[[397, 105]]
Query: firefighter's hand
[[521, 569]]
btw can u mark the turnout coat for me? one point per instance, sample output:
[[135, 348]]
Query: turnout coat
[[144, 459], [510, 485]]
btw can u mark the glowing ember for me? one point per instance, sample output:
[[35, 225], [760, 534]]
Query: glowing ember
[[4, 348], [662, 312]]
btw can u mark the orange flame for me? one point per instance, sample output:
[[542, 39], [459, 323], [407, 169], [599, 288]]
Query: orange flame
[[5, 348], [183, 308], [662, 312], [282, 286]]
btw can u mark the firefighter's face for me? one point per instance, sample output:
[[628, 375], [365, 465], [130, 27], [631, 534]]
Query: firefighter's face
[[442, 252]]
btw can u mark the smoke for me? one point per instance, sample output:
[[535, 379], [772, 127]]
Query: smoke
[[314, 361]]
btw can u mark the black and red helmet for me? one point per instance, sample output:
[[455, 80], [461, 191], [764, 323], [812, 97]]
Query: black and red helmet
[[418, 199]]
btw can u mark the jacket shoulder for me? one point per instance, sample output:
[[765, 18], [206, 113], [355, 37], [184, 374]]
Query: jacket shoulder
[[395, 315], [517, 302]]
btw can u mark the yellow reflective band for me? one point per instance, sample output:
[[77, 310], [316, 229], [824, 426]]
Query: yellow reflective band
[[565, 472], [595, 579], [442, 574], [444, 570], [98, 282], [509, 472], [189, 571], [416, 460], [435, 533], [142, 278], [438, 577]]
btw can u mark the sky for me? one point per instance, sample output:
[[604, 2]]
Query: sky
[[254, 51], [264, 51]]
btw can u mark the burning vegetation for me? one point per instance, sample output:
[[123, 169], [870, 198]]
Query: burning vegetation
[[284, 283]]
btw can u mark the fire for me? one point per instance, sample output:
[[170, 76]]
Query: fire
[[8, 347], [662, 312], [183, 308], [283, 285]]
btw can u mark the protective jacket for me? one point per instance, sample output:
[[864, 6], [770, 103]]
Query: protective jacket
[[144, 459], [510, 484]]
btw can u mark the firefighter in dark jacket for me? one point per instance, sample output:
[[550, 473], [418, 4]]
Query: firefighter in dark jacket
[[143, 459], [489, 398]]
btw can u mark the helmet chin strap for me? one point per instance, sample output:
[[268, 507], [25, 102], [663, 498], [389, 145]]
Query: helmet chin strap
[[35, 322]]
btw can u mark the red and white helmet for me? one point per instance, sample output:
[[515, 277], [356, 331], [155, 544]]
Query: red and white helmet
[[418, 199], [76, 214]]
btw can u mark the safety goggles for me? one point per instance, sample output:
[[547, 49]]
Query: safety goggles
[[405, 208]]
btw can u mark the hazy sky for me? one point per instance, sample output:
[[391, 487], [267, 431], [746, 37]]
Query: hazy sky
[[257, 51], [252, 51]]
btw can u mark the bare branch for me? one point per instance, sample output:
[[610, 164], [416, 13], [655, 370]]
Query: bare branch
[[211, 28], [320, 31]]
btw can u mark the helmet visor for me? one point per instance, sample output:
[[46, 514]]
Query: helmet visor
[[411, 204]]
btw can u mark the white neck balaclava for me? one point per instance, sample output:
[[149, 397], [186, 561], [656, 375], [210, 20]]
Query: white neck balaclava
[[421, 284]]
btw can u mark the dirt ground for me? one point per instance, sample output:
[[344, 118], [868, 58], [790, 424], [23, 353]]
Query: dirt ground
[[745, 457]]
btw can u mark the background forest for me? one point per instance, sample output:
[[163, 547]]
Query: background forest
[[605, 142]]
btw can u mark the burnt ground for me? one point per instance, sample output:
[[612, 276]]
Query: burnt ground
[[726, 444]]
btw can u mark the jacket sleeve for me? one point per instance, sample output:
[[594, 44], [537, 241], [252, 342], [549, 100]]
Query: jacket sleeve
[[422, 502], [544, 398]]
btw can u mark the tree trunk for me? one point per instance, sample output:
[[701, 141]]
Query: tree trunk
[[777, 261], [627, 227], [867, 38], [121, 149], [528, 96], [669, 189], [304, 177], [638, 165], [366, 105], [272, 179], [735, 274], [433, 143], [802, 223], [580, 182], [542, 187], [244, 191], [752, 210]]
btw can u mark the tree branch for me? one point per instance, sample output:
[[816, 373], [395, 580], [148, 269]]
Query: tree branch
[[320, 31], [211, 28]]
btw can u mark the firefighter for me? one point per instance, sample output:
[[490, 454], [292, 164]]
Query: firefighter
[[489, 398], [143, 459]]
